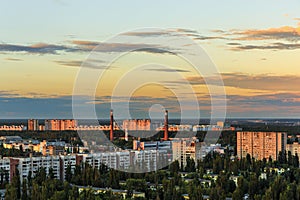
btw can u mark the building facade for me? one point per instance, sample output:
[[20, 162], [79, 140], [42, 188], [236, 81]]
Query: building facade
[[33, 125], [294, 148], [5, 169], [184, 148], [13, 128], [261, 145], [60, 124], [137, 125]]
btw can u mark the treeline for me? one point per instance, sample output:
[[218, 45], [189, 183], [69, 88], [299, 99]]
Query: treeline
[[269, 127], [43, 187], [256, 179]]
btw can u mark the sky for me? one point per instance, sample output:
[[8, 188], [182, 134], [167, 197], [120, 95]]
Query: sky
[[139, 57]]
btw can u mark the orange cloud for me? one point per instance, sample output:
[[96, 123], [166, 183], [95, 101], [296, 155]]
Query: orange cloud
[[263, 82], [284, 32]]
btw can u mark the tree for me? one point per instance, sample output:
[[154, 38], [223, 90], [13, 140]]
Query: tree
[[114, 179], [282, 157], [36, 192], [190, 165], [2, 173], [169, 190], [16, 183], [237, 194], [136, 184], [29, 178], [243, 184], [69, 173], [24, 190], [217, 193], [290, 159], [40, 175], [51, 173], [253, 186], [217, 164], [195, 191], [296, 161], [174, 167], [74, 194], [11, 193]]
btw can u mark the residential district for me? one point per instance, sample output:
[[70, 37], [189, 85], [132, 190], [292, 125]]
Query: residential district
[[251, 165]]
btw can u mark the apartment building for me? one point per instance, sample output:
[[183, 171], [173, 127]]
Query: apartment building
[[5, 169], [33, 164], [33, 125], [12, 128], [184, 148], [144, 160], [294, 148], [137, 124], [122, 160], [261, 144], [60, 124]]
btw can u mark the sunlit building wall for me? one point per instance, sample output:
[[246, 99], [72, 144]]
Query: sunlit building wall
[[261, 145]]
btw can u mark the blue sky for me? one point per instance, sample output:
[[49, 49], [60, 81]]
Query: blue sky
[[254, 44], [51, 21]]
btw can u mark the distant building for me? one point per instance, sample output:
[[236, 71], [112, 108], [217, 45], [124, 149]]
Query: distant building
[[11, 139], [68, 124], [33, 125], [205, 149], [45, 147], [52, 125], [176, 127], [218, 127], [60, 124], [220, 123], [184, 148], [52, 148], [152, 145], [95, 128], [261, 144], [13, 128], [294, 148], [41, 127], [137, 124]]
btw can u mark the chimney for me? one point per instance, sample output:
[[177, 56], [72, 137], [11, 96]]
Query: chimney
[[166, 126], [111, 134]]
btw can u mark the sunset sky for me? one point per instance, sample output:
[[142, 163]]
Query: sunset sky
[[255, 46]]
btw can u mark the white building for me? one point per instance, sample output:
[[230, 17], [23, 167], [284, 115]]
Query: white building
[[205, 149], [5, 168], [123, 160], [145, 160], [184, 148], [65, 161], [33, 164]]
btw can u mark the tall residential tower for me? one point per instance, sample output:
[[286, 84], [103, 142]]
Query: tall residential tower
[[260, 144]]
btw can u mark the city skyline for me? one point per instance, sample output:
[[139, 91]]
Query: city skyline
[[255, 46]]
